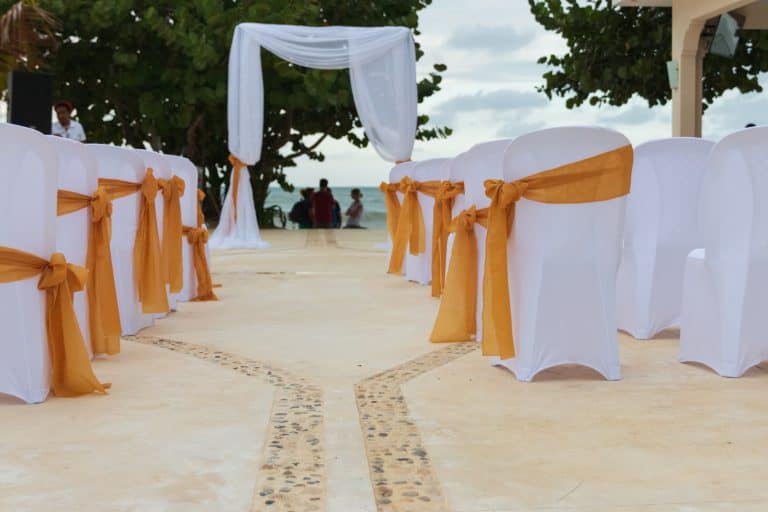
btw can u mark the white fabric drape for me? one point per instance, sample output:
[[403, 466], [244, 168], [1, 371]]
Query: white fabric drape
[[382, 63], [187, 171], [563, 260], [162, 171], [420, 266], [484, 161], [125, 164], [29, 168], [722, 323], [78, 172], [243, 234], [661, 228]]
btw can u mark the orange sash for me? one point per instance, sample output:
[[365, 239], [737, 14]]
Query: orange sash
[[71, 370], [457, 316], [103, 310], [444, 198], [237, 166], [410, 225], [147, 256], [599, 178], [410, 231], [198, 238], [393, 206], [173, 262]]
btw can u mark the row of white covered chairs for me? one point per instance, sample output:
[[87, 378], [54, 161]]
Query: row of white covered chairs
[[683, 248], [35, 167]]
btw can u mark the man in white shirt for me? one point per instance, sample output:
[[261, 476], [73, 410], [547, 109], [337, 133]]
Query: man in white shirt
[[66, 126]]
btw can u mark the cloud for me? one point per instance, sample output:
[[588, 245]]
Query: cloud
[[518, 127], [494, 38], [733, 111], [502, 100], [498, 71], [634, 115]]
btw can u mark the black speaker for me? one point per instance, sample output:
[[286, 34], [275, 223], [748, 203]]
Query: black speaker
[[30, 98]]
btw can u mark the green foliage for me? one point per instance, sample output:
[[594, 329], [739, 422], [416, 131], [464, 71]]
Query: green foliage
[[615, 53], [156, 71], [26, 37]]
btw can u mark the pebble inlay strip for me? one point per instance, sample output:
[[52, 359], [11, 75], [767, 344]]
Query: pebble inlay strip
[[400, 467], [292, 474]]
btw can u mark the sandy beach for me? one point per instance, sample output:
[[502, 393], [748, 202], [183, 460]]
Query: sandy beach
[[311, 386]]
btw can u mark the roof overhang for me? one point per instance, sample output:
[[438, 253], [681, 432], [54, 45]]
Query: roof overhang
[[645, 3], [755, 13]]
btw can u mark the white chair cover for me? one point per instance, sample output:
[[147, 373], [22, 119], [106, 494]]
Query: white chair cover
[[29, 166], [420, 266], [482, 162], [725, 290], [398, 172], [455, 175], [661, 228], [127, 165], [187, 171], [78, 172], [162, 170], [563, 260], [456, 172], [243, 234], [382, 63]]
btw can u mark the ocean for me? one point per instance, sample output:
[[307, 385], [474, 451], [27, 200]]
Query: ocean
[[374, 212]]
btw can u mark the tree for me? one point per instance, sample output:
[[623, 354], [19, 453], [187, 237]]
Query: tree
[[26, 38], [614, 54], [156, 71]]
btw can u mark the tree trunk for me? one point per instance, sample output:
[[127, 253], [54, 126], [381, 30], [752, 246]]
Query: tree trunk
[[260, 189]]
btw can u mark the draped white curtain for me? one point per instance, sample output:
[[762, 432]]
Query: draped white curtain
[[382, 64]]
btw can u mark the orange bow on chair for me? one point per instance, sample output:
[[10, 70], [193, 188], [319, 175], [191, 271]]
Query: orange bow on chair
[[147, 254], [103, 309], [198, 238], [599, 178], [457, 316], [410, 227], [393, 206], [71, 370], [173, 263], [445, 195]]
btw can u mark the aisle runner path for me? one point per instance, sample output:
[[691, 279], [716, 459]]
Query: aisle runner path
[[400, 467], [292, 472]]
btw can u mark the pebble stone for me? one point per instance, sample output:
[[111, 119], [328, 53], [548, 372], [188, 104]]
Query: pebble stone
[[400, 466], [292, 474], [295, 450]]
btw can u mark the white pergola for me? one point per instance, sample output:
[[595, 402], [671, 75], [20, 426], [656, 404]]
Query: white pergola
[[688, 20]]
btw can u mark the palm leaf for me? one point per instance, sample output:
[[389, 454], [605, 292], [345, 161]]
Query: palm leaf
[[27, 33]]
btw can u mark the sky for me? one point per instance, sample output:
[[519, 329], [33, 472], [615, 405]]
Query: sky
[[489, 92]]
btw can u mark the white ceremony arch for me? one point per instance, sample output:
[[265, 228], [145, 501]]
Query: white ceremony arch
[[382, 65]]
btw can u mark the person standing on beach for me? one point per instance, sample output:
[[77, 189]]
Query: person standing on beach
[[322, 206], [336, 214], [355, 210], [301, 213]]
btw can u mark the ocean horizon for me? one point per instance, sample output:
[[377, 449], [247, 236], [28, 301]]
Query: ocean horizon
[[374, 208]]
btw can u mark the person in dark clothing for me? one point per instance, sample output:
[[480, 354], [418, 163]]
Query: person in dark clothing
[[336, 215], [322, 206], [301, 213]]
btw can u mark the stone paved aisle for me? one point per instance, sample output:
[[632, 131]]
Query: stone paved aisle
[[311, 386]]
